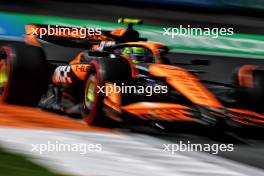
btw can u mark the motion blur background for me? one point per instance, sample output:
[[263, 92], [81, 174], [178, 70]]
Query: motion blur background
[[224, 53], [245, 17]]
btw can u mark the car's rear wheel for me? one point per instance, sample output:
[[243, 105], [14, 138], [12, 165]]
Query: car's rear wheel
[[250, 88], [4, 72], [256, 94], [23, 77], [102, 71]]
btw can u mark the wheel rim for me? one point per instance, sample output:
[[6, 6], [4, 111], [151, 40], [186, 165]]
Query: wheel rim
[[4, 72], [90, 93]]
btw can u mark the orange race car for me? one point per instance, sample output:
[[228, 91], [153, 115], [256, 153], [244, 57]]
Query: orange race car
[[119, 76]]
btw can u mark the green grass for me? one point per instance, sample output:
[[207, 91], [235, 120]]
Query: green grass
[[18, 165]]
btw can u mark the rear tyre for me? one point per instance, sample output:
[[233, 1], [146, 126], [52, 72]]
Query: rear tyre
[[257, 92], [23, 77], [252, 97], [102, 71]]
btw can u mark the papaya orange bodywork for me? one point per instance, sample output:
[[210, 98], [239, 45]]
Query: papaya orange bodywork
[[113, 99], [118, 32], [245, 76], [80, 70], [246, 116], [159, 111], [186, 83], [32, 40], [66, 32], [29, 37]]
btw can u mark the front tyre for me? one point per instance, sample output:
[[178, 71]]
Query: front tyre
[[93, 101], [102, 71]]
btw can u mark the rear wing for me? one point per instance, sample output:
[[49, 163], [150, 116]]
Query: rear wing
[[81, 37], [130, 22], [65, 35]]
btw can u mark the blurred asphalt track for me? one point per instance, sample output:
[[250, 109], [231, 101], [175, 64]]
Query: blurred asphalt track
[[123, 153], [248, 150]]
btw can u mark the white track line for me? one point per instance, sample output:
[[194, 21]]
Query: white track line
[[121, 155]]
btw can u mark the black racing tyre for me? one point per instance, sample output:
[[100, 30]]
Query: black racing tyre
[[251, 97], [257, 92], [23, 78], [238, 93], [103, 70]]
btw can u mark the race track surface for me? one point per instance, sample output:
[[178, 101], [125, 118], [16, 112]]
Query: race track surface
[[123, 153], [29, 117], [22, 126]]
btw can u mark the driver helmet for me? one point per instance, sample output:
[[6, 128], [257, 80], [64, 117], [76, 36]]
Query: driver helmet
[[136, 54]]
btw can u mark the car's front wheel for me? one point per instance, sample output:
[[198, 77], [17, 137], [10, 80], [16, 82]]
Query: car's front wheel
[[92, 101], [102, 71]]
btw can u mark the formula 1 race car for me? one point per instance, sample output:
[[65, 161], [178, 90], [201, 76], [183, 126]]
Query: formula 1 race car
[[118, 76]]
